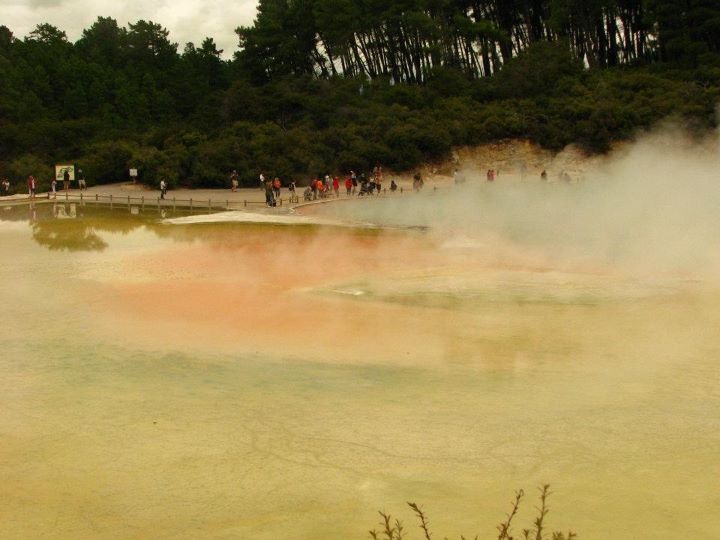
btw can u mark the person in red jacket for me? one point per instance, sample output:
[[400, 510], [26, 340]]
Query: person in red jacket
[[336, 186], [276, 188], [314, 187], [348, 186]]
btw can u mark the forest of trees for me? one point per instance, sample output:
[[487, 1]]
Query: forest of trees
[[328, 85]]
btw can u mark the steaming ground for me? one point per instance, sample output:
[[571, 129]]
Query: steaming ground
[[653, 208]]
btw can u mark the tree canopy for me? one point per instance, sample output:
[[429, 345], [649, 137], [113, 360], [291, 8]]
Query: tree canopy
[[326, 85]]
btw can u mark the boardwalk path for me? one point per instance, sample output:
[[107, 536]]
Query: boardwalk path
[[215, 199]]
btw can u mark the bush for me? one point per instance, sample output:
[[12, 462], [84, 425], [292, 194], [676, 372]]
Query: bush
[[30, 164], [394, 530], [109, 162]]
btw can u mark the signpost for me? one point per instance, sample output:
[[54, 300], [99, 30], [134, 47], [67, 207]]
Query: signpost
[[65, 173], [133, 175]]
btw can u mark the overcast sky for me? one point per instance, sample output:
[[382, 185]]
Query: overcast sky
[[187, 20]]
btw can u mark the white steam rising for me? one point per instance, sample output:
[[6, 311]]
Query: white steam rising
[[653, 206]]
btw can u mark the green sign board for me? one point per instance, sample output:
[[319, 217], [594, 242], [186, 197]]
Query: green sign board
[[60, 172]]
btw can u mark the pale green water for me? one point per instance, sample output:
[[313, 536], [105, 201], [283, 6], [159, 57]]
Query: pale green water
[[118, 420]]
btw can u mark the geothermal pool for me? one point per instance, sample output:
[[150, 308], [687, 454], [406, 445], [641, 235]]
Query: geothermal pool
[[239, 380]]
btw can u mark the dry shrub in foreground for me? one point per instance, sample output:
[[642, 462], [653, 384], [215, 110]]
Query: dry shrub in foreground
[[393, 529]]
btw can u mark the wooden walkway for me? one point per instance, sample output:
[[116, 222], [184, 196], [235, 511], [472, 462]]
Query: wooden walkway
[[141, 201]]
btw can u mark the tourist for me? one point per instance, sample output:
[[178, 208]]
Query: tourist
[[291, 189], [393, 186], [262, 180], [269, 198], [66, 179], [348, 186], [315, 188], [364, 187], [417, 182], [234, 181], [53, 187], [5, 187], [276, 188], [308, 194], [353, 177], [336, 186], [163, 188], [31, 186], [543, 176], [81, 180]]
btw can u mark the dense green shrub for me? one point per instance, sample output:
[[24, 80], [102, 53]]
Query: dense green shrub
[[29, 164]]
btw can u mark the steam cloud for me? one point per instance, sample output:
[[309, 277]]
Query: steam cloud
[[651, 206]]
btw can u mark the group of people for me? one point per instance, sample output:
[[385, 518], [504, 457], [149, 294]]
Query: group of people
[[354, 184], [32, 184], [272, 190], [322, 186], [492, 175]]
